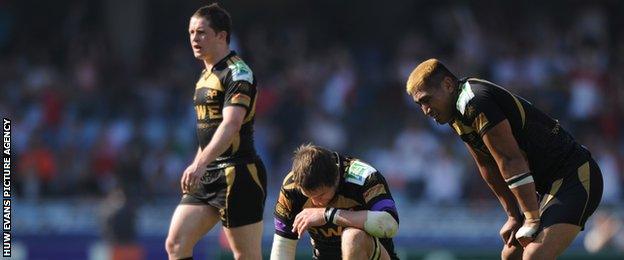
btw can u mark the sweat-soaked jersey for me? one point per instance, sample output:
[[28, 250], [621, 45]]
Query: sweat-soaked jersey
[[361, 187], [551, 151]]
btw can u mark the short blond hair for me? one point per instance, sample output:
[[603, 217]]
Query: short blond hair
[[427, 74]]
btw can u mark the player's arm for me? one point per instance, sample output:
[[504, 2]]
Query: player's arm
[[490, 174], [380, 220], [515, 170], [197, 154], [232, 120], [284, 240], [283, 248], [376, 223], [233, 117]]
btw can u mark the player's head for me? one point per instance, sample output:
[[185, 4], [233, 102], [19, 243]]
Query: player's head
[[434, 88], [315, 173], [209, 29]]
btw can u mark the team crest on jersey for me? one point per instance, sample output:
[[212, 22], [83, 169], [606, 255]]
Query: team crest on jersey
[[358, 171], [240, 71], [470, 110], [211, 93]]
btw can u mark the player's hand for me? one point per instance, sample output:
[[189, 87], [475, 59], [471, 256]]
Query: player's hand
[[526, 234], [509, 229], [190, 178], [310, 217]]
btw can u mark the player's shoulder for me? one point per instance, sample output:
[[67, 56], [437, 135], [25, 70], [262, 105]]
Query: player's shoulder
[[238, 70], [288, 184], [359, 172], [472, 91]]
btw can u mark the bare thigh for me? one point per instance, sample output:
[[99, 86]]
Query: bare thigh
[[188, 225], [552, 241]]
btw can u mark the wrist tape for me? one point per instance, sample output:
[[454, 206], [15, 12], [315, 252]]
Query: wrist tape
[[519, 180], [330, 215]]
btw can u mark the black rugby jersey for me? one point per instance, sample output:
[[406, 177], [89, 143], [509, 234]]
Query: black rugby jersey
[[361, 187], [229, 83], [551, 151]]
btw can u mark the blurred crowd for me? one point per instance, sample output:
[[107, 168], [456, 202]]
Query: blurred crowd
[[87, 122]]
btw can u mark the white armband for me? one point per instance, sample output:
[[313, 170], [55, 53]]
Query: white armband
[[519, 180], [380, 224], [283, 248]]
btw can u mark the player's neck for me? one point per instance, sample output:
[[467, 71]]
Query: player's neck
[[211, 60]]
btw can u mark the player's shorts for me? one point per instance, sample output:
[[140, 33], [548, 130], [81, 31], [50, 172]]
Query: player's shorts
[[238, 191], [333, 253], [574, 198]]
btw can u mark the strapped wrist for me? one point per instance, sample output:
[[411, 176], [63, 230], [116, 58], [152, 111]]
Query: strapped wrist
[[519, 180], [330, 215], [532, 215]]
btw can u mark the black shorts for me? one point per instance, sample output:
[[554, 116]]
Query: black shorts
[[335, 252], [574, 198], [238, 191]]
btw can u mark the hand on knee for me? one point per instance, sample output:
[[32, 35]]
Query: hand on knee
[[511, 253]]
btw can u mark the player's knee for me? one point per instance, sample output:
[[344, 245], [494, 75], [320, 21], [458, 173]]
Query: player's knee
[[356, 241], [511, 253], [538, 253], [175, 245]]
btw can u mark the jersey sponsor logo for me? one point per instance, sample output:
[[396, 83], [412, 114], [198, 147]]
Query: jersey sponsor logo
[[358, 172], [240, 71], [326, 231], [374, 191], [208, 112], [465, 95]]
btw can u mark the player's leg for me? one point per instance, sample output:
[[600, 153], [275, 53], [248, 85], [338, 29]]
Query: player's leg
[[245, 241], [511, 252], [564, 211], [188, 224], [242, 219], [357, 244], [551, 242]]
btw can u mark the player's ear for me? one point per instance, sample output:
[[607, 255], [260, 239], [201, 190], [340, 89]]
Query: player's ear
[[447, 84], [222, 35]]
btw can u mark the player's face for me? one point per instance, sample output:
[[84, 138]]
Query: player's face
[[436, 102], [321, 197], [204, 39]]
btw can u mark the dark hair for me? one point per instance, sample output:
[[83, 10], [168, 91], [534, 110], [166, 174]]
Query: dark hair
[[218, 18], [314, 167]]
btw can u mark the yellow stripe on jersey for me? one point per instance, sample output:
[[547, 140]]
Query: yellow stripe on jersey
[[236, 143], [460, 128], [550, 199], [480, 122], [212, 81], [241, 99], [230, 174], [252, 112], [254, 175], [521, 109], [374, 192], [583, 175]]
